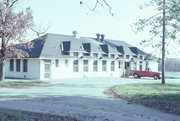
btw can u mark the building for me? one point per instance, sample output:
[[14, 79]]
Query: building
[[57, 56]]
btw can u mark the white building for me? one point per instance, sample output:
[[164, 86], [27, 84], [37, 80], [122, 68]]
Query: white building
[[57, 56]]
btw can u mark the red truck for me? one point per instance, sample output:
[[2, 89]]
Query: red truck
[[146, 73]]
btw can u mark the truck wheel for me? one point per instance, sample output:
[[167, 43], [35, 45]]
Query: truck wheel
[[156, 77], [136, 75]]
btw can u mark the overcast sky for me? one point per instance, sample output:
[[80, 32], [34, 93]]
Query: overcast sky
[[64, 16]]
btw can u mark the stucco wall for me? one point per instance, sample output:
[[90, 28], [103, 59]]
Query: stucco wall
[[153, 65], [33, 70], [36, 69], [64, 71]]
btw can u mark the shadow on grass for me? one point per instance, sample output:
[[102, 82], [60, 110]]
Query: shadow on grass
[[166, 102], [163, 97]]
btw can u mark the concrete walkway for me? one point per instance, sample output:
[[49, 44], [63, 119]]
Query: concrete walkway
[[82, 98]]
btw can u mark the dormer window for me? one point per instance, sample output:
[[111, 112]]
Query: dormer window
[[65, 47], [86, 47]]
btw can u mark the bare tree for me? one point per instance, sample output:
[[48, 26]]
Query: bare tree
[[102, 3], [13, 30], [164, 26]]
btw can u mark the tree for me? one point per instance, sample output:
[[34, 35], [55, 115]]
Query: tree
[[165, 24], [102, 3], [13, 29]]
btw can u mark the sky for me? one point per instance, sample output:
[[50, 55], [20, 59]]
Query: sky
[[65, 16]]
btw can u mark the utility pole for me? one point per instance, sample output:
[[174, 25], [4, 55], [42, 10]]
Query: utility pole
[[163, 43]]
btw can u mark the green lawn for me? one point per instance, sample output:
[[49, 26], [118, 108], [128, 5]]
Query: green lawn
[[7, 83], [12, 115], [163, 97]]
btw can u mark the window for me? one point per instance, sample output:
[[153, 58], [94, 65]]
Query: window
[[126, 65], [147, 65], [18, 65], [65, 53], [105, 55], [104, 69], [57, 63], [75, 54], [119, 64], [95, 66], [121, 55], [95, 55], [140, 65], [135, 56], [141, 57], [86, 54], [112, 66], [11, 67], [47, 61], [75, 66], [135, 65], [112, 56], [66, 63], [127, 56], [85, 65], [25, 65]]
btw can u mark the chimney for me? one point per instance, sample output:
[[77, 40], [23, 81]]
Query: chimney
[[102, 37], [98, 37], [75, 34]]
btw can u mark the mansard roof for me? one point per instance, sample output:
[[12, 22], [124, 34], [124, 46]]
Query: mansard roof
[[137, 51], [53, 46]]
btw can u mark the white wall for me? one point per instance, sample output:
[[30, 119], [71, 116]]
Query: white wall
[[33, 70], [153, 65], [36, 69], [67, 72]]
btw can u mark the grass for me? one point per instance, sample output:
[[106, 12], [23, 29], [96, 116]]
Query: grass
[[162, 97], [11, 83], [12, 115]]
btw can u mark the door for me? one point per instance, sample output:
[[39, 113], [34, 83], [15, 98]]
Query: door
[[47, 71], [127, 68]]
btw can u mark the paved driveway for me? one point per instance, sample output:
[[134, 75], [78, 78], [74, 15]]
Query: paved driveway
[[82, 98]]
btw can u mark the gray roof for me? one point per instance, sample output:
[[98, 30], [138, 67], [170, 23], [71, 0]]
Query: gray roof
[[34, 52], [53, 46], [125, 46], [137, 51]]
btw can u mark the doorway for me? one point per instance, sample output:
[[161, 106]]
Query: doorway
[[47, 71], [127, 68]]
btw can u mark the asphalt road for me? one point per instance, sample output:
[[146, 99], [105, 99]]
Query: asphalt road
[[82, 98]]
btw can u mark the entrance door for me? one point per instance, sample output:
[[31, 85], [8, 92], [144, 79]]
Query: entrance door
[[127, 68], [47, 71]]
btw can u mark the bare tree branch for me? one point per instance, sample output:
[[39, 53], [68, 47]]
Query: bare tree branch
[[7, 3], [97, 2], [39, 33], [13, 3], [110, 11], [102, 3]]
